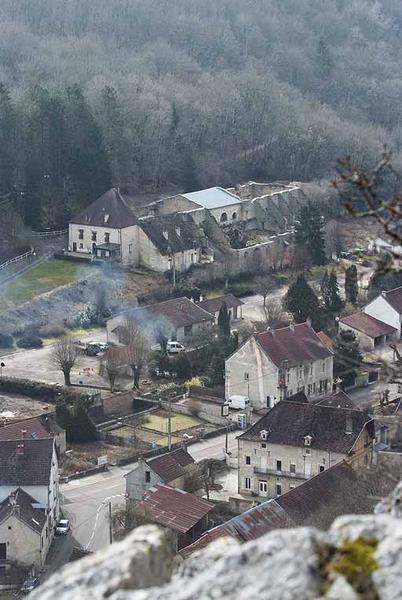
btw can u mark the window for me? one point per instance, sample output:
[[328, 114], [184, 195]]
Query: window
[[107, 238], [300, 371], [130, 248], [292, 487], [322, 468], [188, 329], [263, 486], [234, 216], [263, 445], [248, 460], [323, 385], [80, 234], [308, 451], [278, 489], [94, 234], [307, 440], [311, 369], [279, 465], [81, 246], [224, 217], [147, 476], [247, 483], [246, 376], [9, 527], [292, 469], [3, 551], [349, 425], [323, 365], [287, 376], [309, 389]]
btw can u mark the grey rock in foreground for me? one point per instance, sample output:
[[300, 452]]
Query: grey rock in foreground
[[294, 564]]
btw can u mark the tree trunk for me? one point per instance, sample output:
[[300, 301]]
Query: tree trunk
[[67, 380]]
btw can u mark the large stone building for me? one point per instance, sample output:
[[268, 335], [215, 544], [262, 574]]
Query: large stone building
[[297, 440], [277, 363], [108, 230]]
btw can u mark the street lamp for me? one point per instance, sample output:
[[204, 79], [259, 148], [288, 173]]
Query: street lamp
[[1, 368]]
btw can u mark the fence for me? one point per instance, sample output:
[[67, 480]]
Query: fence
[[4, 265], [49, 233]]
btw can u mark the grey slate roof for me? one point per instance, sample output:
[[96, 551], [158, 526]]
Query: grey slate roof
[[215, 197], [20, 504], [213, 305], [110, 203], [338, 400], [29, 467], [288, 423], [172, 233]]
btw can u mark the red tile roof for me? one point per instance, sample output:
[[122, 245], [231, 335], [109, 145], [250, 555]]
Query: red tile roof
[[326, 340], [175, 509], [296, 344], [14, 431], [367, 324], [171, 465]]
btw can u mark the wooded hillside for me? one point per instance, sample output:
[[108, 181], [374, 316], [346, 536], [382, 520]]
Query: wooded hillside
[[157, 94]]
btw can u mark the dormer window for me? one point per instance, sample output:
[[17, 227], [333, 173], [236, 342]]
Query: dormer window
[[178, 231], [165, 235], [307, 440], [264, 434], [106, 218], [349, 425]]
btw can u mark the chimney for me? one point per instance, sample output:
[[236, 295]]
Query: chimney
[[291, 326], [23, 433], [308, 321], [383, 293], [349, 425]]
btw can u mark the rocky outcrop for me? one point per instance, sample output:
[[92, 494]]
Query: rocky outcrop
[[360, 557]]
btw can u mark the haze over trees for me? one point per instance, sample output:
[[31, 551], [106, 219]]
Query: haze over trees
[[166, 94]]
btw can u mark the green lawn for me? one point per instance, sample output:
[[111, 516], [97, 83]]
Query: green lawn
[[40, 279], [178, 422]]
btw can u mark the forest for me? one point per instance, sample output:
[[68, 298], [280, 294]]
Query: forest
[[162, 95]]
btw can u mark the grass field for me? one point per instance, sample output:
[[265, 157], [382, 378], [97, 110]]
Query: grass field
[[145, 436], [159, 422], [43, 278]]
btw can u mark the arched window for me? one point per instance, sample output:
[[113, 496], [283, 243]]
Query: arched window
[[234, 216], [224, 217]]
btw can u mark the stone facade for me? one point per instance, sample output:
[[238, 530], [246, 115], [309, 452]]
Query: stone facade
[[142, 477]]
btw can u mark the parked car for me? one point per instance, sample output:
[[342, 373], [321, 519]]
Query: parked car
[[174, 347], [63, 527], [238, 401], [94, 348], [30, 584]]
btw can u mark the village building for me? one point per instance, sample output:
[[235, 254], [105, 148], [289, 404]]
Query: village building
[[214, 305], [108, 230], [29, 489], [44, 426], [370, 332], [295, 441], [176, 319], [277, 363], [169, 468], [24, 532], [387, 307], [186, 515]]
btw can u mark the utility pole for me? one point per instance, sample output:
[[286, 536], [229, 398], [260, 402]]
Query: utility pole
[[110, 523], [170, 425]]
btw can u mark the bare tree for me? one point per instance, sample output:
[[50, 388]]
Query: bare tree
[[64, 355], [112, 362], [137, 349], [263, 285], [273, 311], [126, 517]]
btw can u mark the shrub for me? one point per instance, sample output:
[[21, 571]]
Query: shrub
[[52, 330], [30, 340], [6, 340]]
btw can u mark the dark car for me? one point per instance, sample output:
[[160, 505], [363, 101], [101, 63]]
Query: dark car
[[30, 584]]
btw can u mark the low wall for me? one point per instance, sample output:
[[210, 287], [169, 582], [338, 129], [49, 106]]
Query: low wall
[[201, 414]]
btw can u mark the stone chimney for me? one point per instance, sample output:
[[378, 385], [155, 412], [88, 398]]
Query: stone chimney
[[308, 321]]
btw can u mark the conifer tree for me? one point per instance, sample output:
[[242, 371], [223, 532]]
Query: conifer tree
[[347, 358], [351, 285], [224, 321], [309, 233], [335, 302], [302, 303]]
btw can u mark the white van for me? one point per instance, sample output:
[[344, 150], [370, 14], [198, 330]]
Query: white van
[[238, 401], [174, 347]]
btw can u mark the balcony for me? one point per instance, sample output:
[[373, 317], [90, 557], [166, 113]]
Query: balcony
[[282, 473]]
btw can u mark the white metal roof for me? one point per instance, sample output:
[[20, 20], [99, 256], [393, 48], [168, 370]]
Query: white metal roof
[[214, 197]]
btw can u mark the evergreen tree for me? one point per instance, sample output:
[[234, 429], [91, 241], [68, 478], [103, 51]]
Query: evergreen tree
[[324, 62], [351, 285], [182, 366], [8, 134], [224, 321], [309, 234], [325, 289], [335, 301], [347, 357], [302, 303]]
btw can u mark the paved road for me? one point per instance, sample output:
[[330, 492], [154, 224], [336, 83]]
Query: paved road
[[85, 500]]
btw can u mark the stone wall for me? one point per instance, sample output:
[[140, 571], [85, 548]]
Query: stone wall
[[359, 558]]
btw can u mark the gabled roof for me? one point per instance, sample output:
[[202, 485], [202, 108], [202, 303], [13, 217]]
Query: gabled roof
[[394, 298], [26, 462], [297, 344], [215, 197], [326, 340], [336, 491], [33, 429], [367, 324], [213, 305], [338, 400], [288, 423], [171, 465], [109, 210], [20, 504], [172, 233], [173, 508], [176, 312]]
